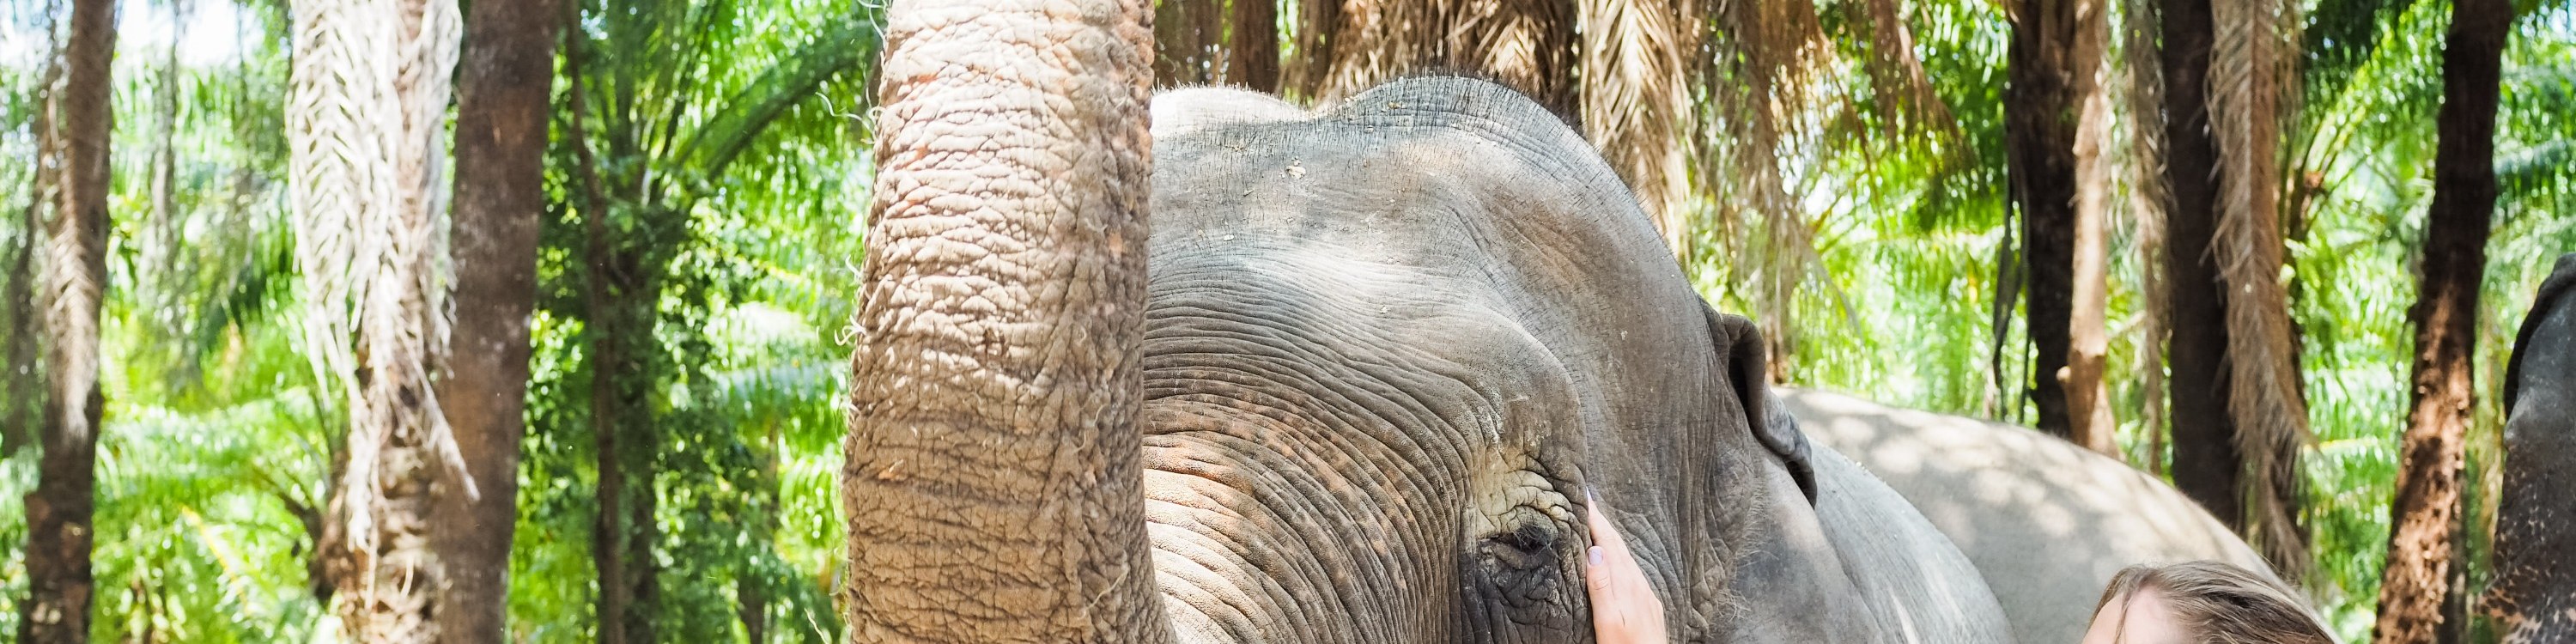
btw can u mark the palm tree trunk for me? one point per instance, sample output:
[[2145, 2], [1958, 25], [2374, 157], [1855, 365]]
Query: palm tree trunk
[[2206, 463], [74, 277], [502, 108], [2250, 85], [2055, 61], [1253, 46], [2424, 516], [993, 487], [365, 159]]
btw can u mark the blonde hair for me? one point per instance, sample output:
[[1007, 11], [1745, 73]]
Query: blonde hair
[[2219, 603]]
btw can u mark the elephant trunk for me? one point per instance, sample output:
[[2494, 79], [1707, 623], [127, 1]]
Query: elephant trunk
[[992, 481]]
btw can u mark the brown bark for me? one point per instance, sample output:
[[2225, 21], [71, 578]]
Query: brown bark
[[503, 103], [2206, 463], [2424, 516], [2055, 56], [2088, 399], [1253, 43], [994, 470], [60, 585], [366, 117]]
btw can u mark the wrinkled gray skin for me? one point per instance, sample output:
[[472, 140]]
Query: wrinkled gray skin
[[2535, 590], [1388, 348], [2047, 522]]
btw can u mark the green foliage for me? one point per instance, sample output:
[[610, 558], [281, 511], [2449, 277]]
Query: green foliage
[[703, 209]]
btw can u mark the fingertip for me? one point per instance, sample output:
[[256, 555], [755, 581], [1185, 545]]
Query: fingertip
[[1593, 557]]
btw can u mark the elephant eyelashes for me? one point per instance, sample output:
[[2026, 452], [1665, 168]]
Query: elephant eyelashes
[[1530, 546]]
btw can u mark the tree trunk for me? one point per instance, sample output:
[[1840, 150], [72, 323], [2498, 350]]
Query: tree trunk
[[2056, 58], [1254, 45], [74, 269], [367, 105], [503, 104], [993, 482], [2088, 399], [2206, 464], [2250, 82], [2423, 517]]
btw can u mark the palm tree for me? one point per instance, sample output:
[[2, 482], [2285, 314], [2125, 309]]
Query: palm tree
[[71, 284], [2424, 518], [2238, 417], [368, 97], [647, 142], [501, 118]]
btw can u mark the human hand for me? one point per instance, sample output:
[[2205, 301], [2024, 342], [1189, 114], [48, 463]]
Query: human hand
[[1624, 608]]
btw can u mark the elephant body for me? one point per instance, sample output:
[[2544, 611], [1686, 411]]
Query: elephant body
[[2534, 594], [1391, 345], [2046, 522]]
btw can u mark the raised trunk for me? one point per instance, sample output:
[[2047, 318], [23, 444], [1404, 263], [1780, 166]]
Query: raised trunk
[[2206, 463], [74, 276], [2424, 516], [993, 481], [503, 103], [2056, 56]]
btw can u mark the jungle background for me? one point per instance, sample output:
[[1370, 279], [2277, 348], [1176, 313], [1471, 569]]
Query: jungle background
[[1925, 202]]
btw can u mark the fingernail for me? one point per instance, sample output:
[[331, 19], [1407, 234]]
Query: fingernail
[[1590, 498], [1592, 556]]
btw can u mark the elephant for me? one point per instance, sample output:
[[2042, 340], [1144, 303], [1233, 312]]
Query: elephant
[[2046, 522], [1440, 262], [2534, 595], [1360, 381]]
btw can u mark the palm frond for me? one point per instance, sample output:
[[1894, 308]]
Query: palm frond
[[1636, 102], [2250, 89], [370, 90]]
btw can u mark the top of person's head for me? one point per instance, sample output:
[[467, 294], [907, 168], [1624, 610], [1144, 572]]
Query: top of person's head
[[2219, 603]]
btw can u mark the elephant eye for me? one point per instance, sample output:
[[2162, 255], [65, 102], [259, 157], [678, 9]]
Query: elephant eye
[[1531, 545], [1530, 538], [1518, 584]]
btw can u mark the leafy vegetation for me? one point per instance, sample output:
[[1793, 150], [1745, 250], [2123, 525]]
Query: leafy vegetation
[[705, 182]]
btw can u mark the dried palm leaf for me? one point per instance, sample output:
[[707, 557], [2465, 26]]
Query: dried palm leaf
[[369, 92], [2250, 88], [1636, 99]]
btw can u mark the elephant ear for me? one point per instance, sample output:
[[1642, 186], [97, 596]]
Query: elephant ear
[[2561, 278], [1740, 348]]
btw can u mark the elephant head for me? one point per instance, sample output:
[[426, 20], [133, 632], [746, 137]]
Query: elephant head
[[1383, 353], [2535, 590], [1391, 345]]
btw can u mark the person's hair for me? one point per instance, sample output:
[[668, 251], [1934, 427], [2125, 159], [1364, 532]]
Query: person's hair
[[2219, 603]]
